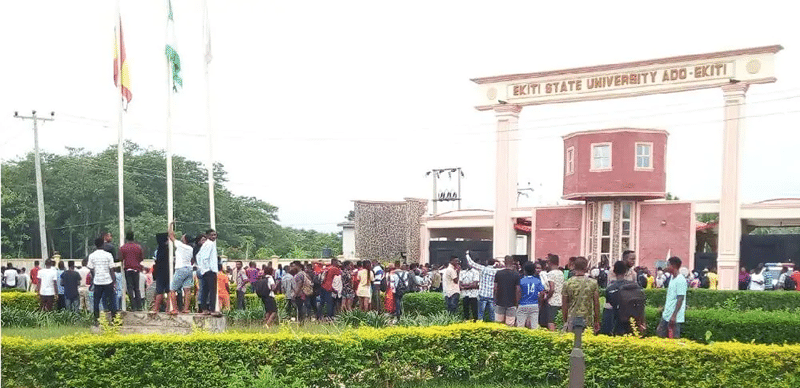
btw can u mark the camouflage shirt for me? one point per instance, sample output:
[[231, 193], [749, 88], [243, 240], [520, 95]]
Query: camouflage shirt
[[580, 291]]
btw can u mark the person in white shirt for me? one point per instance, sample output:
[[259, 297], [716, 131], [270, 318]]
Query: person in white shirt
[[469, 281], [182, 278], [10, 276], [553, 283], [207, 266], [452, 291], [46, 288], [103, 280], [757, 279], [83, 288]]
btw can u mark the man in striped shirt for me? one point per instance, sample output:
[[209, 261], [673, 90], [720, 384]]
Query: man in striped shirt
[[486, 286]]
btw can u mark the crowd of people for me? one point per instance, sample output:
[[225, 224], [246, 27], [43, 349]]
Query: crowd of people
[[529, 294]]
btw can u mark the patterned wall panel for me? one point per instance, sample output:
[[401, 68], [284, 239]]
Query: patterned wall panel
[[385, 229]]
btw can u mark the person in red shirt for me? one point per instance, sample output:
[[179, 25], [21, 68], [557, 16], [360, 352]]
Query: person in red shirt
[[35, 275], [796, 277], [327, 287], [132, 255]]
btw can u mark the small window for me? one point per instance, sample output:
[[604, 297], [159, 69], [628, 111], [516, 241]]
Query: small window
[[570, 162], [644, 156], [605, 231], [601, 156]]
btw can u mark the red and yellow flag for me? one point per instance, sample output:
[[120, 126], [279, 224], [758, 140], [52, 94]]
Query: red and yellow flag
[[119, 54]]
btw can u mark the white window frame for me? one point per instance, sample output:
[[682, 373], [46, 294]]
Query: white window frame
[[569, 165], [622, 219], [600, 234], [610, 157], [636, 156]]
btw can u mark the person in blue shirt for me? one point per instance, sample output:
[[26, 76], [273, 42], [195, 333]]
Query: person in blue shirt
[[530, 286], [675, 306]]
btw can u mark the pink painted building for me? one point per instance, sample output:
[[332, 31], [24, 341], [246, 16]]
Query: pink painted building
[[618, 176]]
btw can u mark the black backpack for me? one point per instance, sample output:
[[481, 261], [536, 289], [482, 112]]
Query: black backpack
[[789, 284], [630, 303], [385, 282], [642, 280], [602, 279], [402, 283]]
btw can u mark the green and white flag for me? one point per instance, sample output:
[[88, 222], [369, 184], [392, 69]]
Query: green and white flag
[[172, 53]]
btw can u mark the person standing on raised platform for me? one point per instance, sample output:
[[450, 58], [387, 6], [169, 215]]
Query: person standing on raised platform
[[208, 266], [161, 273], [182, 278], [103, 281]]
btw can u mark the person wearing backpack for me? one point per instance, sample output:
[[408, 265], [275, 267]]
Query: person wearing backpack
[[626, 300], [399, 279]]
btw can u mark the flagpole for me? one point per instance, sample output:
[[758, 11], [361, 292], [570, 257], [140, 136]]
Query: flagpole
[[170, 209], [210, 128], [120, 145]]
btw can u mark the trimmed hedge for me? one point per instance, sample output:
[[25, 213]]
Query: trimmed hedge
[[732, 300], [371, 357], [764, 327], [28, 301]]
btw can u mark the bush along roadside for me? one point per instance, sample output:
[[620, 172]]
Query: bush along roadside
[[697, 298], [368, 357]]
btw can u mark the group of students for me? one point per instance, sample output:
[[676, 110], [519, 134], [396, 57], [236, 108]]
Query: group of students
[[532, 294]]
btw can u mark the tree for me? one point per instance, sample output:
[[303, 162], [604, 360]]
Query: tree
[[80, 190]]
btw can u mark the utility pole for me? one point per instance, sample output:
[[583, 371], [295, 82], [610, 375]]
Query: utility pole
[[39, 190], [448, 196]]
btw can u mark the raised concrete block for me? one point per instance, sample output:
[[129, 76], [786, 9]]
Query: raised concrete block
[[163, 323]]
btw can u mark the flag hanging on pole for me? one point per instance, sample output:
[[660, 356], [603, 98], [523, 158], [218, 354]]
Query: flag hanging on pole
[[172, 53], [119, 56]]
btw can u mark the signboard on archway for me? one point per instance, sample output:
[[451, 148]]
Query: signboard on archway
[[732, 71]]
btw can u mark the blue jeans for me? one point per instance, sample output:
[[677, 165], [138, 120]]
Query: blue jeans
[[327, 300], [201, 291], [484, 304], [452, 303]]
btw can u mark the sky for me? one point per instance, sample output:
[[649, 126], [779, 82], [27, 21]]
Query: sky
[[314, 104]]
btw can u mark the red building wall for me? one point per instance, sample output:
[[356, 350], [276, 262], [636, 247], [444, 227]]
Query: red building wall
[[623, 180], [558, 231], [664, 227]]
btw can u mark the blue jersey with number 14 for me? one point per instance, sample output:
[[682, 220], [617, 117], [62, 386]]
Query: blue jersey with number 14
[[530, 287]]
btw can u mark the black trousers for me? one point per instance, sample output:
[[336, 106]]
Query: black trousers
[[135, 295], [470, 304], [107, 294], [240, 302], [209, 291]]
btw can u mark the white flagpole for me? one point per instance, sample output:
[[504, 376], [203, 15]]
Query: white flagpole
[[210, 128], [170, 210], [120, 145]]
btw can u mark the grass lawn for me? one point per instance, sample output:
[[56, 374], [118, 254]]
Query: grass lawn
[[43, 332]]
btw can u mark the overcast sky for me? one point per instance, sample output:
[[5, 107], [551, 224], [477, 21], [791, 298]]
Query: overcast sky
[[316, 104]]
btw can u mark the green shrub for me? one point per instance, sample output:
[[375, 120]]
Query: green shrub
[[369, 357], [19, 300], [743, 300], [425, 303], [765, 327]]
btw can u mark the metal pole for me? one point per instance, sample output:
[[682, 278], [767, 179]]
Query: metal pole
[[39, 189], [120, 153], [170, 209], [435, 200], [459, 188], [210, 165], [577, 363]]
